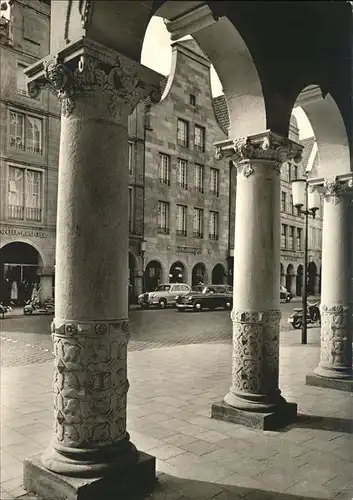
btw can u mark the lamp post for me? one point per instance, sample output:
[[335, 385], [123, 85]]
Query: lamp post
[[310, 199]]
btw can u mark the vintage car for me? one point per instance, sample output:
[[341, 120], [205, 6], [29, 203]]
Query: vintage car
[[163, 295], [206, 297], [285, 295]]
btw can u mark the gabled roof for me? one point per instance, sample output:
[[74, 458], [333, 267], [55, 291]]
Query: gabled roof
[[308, 144], [221, 112]]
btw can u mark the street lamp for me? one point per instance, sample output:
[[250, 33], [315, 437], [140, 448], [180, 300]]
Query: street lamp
[[304, 196]]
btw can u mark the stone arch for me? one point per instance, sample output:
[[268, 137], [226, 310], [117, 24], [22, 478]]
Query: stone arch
[[19, 266], [199, 274], [290, 279], [312, 278], [329, 129], [154, 274], [132, 276], [282, 275], [218, 275], [299, 281], [178, 272]]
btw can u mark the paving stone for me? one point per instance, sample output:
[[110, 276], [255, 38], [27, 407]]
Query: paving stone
[[199, 447], [166, 451]]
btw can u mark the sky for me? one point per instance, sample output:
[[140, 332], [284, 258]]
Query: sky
[[157, 54]]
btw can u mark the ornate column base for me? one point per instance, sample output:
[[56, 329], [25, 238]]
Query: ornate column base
[[335, 368], [125, 482], [254, 400], [281, 415]]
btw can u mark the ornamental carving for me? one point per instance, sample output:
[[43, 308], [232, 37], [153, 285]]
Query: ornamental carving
[[333, 189], [120, 81], [336, 339], [90, 387], [267, 146], [119, 328], [256, 351]]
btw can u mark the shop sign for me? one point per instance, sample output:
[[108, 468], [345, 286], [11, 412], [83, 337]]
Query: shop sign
[[28, 233], [192, 250]]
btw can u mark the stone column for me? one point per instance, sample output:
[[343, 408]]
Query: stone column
[[254, 398], [335, 367], [98, 89]]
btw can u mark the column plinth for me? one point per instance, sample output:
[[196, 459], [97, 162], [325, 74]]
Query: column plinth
[[254, 398], [90, 330], [335, 367]]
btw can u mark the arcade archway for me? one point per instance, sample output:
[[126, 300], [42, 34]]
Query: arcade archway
[[177, 273], [299, 281], [282, 275], [199, 274], [219, 275], [153, 275], [312, 279], [290, 279], [19, 265], [132, 275]]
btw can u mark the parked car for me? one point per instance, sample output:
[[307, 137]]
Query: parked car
[[206, 297], [285, 295], [163, 295]]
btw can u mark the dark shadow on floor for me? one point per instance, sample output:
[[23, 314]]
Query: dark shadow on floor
[[170, 487], [322, 423]]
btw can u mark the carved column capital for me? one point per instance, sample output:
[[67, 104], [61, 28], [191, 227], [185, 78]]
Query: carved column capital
[[332, 189], [90, 69], [267, 147]]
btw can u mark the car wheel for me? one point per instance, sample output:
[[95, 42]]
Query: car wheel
[[28, 312], [297, 323], [197, 306], [227, 305], [162, 304]]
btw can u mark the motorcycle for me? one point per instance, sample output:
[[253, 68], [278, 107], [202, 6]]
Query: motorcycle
[[4, 309], [313, 316], [34, 307]]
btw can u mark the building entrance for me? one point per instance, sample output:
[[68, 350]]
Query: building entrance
[[19, 263]]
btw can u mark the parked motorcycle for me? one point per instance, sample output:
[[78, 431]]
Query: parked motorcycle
[[313, 316], [4, 309], [34, 307]]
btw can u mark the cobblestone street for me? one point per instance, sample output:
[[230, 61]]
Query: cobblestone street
[[26, 339]]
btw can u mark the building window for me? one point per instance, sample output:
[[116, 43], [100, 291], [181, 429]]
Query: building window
[[26, 132], [182, 179], [181, 223], [292, 207], [25, 194], [199, 140], [192, 99], [163, 217], [283, 236], [131, 211], [291, 238], [213, 226], [198, 223], [183, 133], [214, 188], [198, 171], [164, 169], [283, 201], [295, 172], [130, 155], [21, 80], [299, 238], [285, 171]]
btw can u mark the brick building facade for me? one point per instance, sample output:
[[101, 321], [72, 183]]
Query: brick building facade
[[30, 134], [181, 200]]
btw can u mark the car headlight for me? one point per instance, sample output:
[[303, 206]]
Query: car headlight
[[152, 296], [190, 299]]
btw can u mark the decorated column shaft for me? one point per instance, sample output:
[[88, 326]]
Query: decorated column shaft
[[336, 285], [256, 315], [98, 89]]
